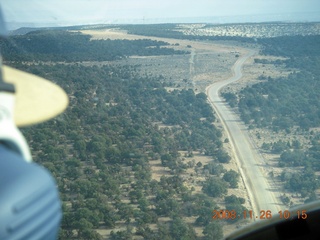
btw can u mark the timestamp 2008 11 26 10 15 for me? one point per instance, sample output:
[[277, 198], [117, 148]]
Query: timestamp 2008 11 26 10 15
[[264, 214]]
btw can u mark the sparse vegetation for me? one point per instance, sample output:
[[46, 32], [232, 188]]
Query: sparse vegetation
[[121, 121]]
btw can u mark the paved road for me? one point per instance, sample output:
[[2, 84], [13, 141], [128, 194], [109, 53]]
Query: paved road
[[249, 161]]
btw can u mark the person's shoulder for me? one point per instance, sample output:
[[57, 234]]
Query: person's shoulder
[[10, 158]]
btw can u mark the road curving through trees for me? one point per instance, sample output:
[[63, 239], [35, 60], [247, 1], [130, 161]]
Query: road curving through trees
[[249, 161]]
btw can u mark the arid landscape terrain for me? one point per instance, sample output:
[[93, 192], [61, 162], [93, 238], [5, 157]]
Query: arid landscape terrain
[[169, 124], [208, 62]]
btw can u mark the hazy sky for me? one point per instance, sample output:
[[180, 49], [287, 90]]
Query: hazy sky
[[104, 11]]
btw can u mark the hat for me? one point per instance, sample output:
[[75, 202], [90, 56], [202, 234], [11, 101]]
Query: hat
[[37, 99]]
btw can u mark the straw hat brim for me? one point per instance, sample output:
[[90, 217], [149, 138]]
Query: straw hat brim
[[37, 99]]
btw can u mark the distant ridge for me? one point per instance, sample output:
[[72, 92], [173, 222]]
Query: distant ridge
[[284, 17], [23, 30], [295, 27]]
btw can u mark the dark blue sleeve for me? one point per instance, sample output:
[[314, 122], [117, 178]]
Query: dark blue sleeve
[[29, 201]]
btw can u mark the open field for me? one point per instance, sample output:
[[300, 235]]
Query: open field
[[209, 61]]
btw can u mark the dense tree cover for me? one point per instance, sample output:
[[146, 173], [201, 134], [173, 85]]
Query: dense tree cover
[[284, 103], [292, 46], [101, 148], [57, 45], [170, 31]]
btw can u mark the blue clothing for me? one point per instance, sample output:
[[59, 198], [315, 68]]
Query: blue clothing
[[29, 202]]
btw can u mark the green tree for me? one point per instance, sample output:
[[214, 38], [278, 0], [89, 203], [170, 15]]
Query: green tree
[[279, 146], [121, 235], [292, 158], [233, 199], [222, 156], [215, 187], [204, 216], [232, 177], [238, 208], [180, 230], [213, 231], [89, 234], [85, 230], [214, 168]]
